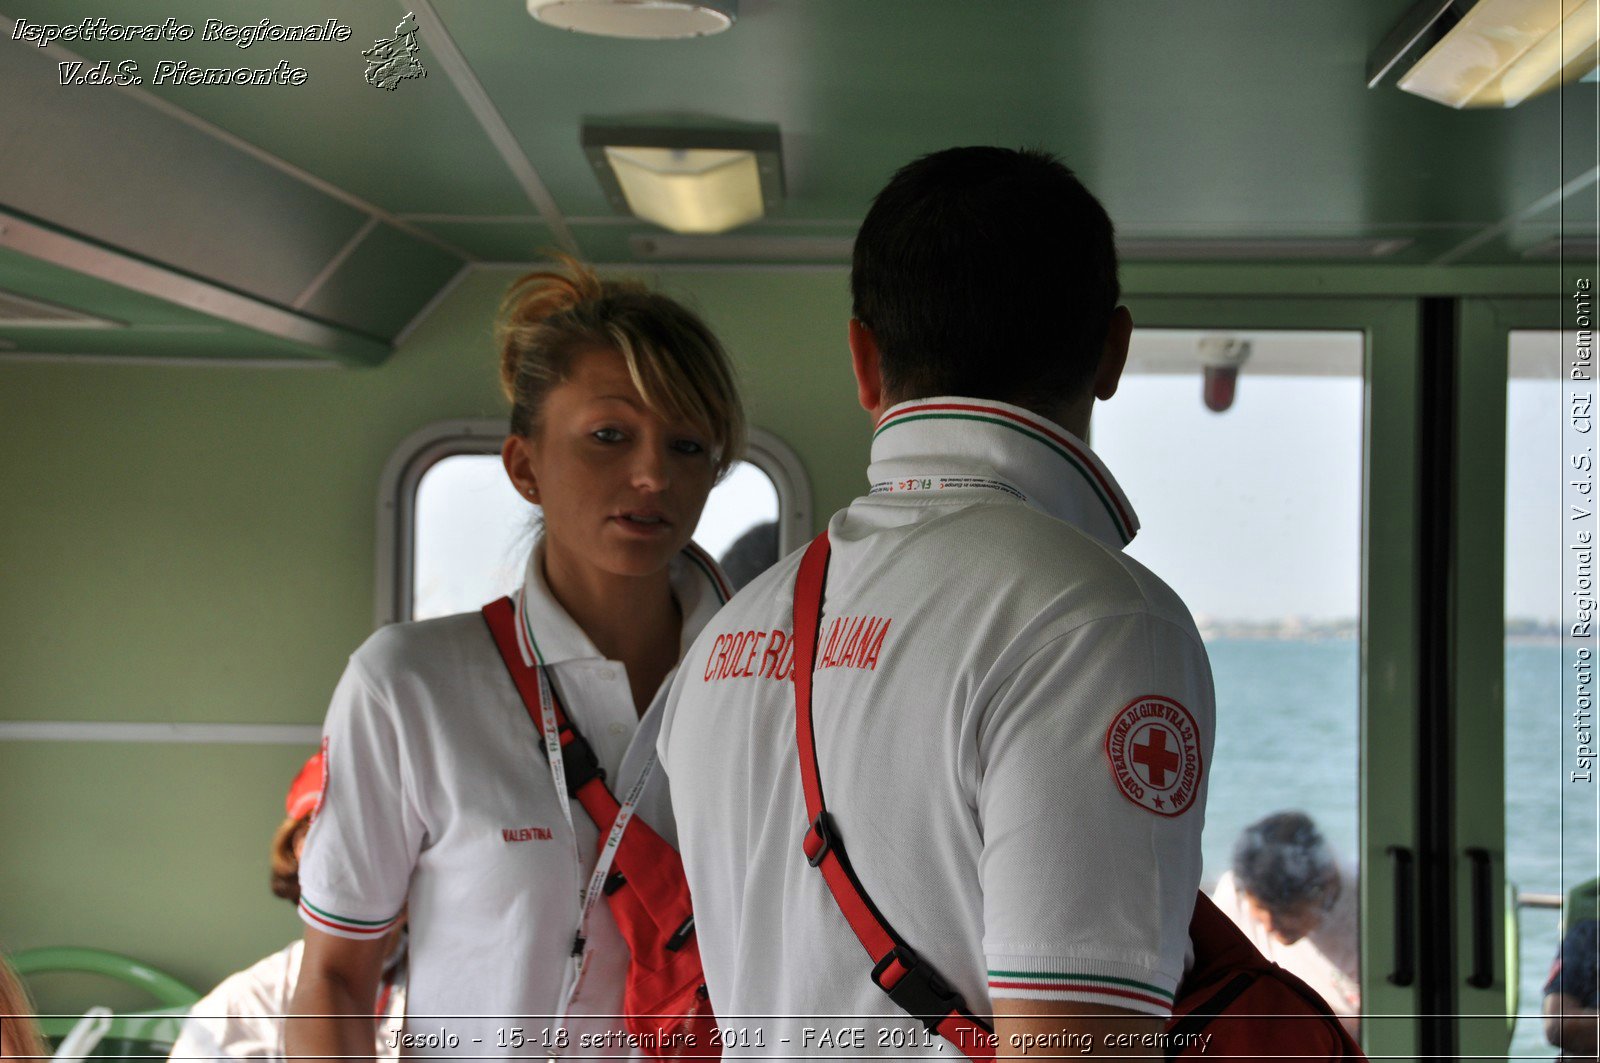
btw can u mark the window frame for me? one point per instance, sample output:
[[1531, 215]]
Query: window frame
[[420, 451]]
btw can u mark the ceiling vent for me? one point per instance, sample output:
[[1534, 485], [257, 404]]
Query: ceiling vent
[[1580, 249], [1342, 248], [18, 311], [743, 248]]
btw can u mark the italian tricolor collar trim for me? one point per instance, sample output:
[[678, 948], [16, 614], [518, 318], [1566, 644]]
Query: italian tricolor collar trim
[[954, 434]]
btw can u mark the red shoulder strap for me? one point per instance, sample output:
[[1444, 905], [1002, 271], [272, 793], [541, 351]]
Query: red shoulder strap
[[585, 780], [911, 982]]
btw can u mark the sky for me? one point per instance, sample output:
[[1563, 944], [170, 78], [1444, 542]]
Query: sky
[[1251, 514]]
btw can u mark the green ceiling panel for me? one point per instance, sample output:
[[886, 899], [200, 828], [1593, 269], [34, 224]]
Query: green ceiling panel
[[494, 241], [97, 162], [409, 149], [1244, 119], [386, 280], [77, 291]]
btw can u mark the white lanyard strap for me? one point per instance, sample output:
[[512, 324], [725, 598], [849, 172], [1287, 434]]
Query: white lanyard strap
[[578, 962]]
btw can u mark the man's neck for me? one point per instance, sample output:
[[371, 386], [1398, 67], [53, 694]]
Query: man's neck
[[1074, 417]]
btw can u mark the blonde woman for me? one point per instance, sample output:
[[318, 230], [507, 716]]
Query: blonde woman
[[624, 413]]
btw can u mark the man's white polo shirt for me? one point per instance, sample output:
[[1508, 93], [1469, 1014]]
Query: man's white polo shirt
[[438, 799], [1013, 720]]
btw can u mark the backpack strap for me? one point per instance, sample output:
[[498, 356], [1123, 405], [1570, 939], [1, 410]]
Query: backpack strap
[[910, 981]]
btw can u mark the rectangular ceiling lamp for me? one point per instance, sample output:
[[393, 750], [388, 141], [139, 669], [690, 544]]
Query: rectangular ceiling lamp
[[1505, 51], [688, 180]]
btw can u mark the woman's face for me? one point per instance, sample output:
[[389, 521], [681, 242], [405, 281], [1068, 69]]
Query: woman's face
[[621, 489]]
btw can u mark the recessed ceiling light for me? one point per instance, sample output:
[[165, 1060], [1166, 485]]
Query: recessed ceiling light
[[1505, 51], [661, 20], [688, 180]]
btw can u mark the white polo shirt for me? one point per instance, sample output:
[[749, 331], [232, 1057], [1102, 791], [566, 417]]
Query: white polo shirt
[[438, 798], [1013, 721], [242, 1018]]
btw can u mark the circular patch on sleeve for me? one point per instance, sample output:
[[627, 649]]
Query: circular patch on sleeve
[[1154, 748]]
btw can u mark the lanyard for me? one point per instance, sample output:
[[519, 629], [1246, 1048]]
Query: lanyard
[[550, 727]]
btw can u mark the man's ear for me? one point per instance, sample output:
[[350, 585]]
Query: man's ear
[[1114, 355], [864, 360], [516, 454]]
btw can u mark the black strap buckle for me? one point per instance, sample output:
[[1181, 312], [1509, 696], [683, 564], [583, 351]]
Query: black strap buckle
[[920, 991], [680, 937], [822, 828], [579, 763]]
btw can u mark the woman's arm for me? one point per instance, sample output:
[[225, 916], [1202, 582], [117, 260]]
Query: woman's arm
[[337, 990]]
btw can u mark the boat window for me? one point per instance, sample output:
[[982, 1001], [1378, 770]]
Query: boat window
[[462, 534], [1241, 453]]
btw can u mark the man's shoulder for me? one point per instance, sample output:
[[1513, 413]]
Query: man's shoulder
[[1050, 567]]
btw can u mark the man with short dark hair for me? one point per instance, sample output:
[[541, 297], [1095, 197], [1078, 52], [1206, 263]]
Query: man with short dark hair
[[1287, 891], [1012, 718]]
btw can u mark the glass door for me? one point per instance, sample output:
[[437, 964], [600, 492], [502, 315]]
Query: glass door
[[1268, 447], [1535, 385]]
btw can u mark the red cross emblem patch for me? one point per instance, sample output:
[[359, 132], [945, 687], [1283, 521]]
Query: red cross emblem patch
[[1154, 748]]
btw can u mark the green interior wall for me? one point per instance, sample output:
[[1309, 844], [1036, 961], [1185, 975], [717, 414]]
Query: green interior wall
[[195, 544]]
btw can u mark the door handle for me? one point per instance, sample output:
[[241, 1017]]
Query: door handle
[[1482, 976], [1405, 900]]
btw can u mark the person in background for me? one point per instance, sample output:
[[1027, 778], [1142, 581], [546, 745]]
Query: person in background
[[1572, 992], [243, 1017], [441, 787], [19, 1034], [751, 554], [1288, 892]]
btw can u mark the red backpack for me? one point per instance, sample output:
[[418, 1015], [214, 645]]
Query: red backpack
[[1249, 1006], [665, 997]]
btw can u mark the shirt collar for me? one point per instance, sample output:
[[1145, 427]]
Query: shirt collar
[[548, 635], [976, 442]]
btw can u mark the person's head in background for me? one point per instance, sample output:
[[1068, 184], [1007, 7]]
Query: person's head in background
[[289, 840], [1287, 874], [19, 1034], [989, 273], [751, 554]]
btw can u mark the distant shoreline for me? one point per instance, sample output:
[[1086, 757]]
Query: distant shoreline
[[1519, 632]]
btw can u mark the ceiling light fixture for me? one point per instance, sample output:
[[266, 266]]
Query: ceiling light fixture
[[688, 180], [1503, 52], [659, 20]]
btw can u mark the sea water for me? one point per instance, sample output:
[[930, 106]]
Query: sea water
[[1288, 724]]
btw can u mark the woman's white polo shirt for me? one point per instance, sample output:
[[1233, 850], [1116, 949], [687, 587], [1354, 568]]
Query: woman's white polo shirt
[[438, 800]]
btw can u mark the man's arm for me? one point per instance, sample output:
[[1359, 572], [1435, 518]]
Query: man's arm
[[1045, 1028], [338, 988]]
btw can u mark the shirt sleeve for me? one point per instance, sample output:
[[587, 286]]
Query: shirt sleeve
[[365, 834], [1575, 972], [1092, 759]]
